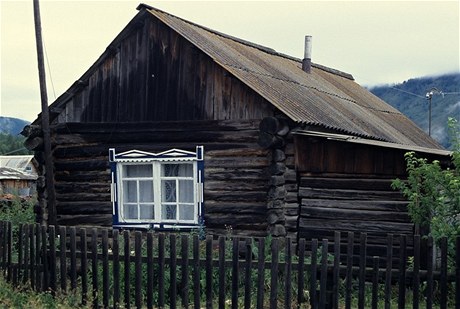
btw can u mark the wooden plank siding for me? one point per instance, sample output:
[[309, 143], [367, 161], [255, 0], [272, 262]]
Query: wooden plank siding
[[156, 75], [347, 187], [236, 177]]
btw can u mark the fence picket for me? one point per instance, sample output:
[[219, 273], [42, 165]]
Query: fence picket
[[116, 268], [235, 272], [149, 269], [389, 266], [185, 271], [443, 284], [375, 282], [457, 273], [52, 253], [402, 272], [105, 268], [349, 276], [138, 268], [274, 274], [63, 258], [73, 257], [336, 271], [313, 274], [288, 274], [208, 271], [323, 278], [196, 272], [429, 281], [161, 270], [247, 273], [362, 269], [416, 273], [172, 271], [32, 255], [84, 266], [222, 286], [127, 268], [261, 272], [94, 268], [25, 276]]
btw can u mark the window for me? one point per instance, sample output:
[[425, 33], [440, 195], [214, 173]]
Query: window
[[163, 190]]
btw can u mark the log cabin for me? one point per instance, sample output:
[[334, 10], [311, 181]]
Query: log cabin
[[177, 126]]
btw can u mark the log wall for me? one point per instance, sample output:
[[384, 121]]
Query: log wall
[[236, 177], [347, 187]]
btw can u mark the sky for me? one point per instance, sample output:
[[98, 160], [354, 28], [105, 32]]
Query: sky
[[378, 42]]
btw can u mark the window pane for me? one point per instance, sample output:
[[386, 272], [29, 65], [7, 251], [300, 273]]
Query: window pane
[[147, 211], [146, 191], [129, 191], [186, 212], [186, 191], [130, 211], [177, 170], [138, 170], [168, 190], [168, 212]]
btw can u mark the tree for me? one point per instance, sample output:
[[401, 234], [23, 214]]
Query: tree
[[434, 192]]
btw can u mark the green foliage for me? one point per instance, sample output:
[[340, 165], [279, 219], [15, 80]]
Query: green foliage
[[12, 145], [18, 211], [22, 297], [434, 192]]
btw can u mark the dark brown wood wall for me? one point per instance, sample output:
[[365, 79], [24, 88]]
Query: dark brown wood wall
[[154, 74], [346, 187], [236, 176]]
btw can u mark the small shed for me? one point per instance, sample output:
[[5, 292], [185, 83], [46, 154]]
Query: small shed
[[178, 126], [18, 175]]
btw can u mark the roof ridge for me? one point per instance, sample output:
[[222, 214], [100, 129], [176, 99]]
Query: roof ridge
[[263, 48]]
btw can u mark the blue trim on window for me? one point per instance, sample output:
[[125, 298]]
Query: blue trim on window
[[169, 155]]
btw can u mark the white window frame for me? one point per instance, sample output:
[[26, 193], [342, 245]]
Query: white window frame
[[156, 160]]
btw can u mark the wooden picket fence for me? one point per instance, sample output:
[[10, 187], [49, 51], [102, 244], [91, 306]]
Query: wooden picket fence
[[122, 269]]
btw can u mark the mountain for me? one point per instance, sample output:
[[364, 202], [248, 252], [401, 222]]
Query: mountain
[[410, 97], [13, 126]]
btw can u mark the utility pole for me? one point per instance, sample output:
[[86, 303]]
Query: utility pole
[[429, 96], [49, 175]]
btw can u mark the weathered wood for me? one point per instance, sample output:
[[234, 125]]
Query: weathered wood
[[348, 194]]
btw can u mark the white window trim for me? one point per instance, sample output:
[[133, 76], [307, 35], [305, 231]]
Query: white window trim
[[134, 157]]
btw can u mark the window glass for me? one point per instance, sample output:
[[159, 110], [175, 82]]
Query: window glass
[[129, 191], [186, 191], [147, 211], [177, 170], [146, 191], [130, 211], [138, 170], [168, 212], [186, 212], [168, 191]]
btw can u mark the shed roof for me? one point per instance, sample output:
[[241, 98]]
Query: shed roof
[[16, 162], [326, 98], [8, 173]]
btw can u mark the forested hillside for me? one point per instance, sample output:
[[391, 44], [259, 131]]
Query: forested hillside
[[11, 142], [410, 98]]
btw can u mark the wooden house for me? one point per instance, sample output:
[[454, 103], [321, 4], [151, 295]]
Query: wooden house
[[179, 126], [18, 175]]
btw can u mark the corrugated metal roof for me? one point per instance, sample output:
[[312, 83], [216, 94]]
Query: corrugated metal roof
[[16, 162], [327, 98], [15, 174]]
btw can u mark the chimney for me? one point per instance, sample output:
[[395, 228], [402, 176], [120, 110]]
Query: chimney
[[306, 62]]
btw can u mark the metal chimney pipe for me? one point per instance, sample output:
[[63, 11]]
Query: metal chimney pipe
[[306, 62]]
